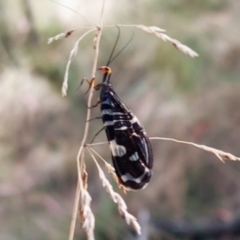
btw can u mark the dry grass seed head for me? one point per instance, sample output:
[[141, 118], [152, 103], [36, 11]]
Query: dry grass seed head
[[122, 207], [61, 36], [71, 56], [159, 33], [86, 215], [111, 170]]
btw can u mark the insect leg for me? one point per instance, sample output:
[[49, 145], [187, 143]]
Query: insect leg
[[98, 86], [85, 80], [93, 119], [95, 105], [92, 81], [97, 134]]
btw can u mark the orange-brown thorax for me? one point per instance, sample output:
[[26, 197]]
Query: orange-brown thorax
[[105, 69]]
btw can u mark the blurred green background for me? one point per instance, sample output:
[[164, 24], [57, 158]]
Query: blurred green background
[[172, 94]]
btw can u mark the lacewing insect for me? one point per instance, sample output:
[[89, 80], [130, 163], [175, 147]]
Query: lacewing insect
[[130, 146]]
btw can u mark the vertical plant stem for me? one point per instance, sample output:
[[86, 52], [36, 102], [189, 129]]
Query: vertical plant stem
[[74, 214], [81, 150]]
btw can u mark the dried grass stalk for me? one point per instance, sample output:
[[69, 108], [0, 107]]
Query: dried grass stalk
[[80, 192], [151, 29], [61, 36], [65, 6], [86, 215], [107, 165], [159, 33], [87, 218], [71, 56], [223, 156], [122, 207], [111, 170]]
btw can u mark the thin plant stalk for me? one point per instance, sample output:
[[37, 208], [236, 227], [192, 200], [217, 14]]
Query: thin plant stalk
[[69, 8], [223, 156], [86, 129]]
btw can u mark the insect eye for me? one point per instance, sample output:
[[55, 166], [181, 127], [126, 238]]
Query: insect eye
[[106, 69]]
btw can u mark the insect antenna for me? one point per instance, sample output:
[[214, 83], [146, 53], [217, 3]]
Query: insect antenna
[[121, 49], [114, 47]]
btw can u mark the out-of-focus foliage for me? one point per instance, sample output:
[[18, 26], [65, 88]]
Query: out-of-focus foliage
[[172, 94]]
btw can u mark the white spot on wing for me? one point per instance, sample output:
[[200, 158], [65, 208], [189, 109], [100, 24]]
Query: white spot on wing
[[106, 101], [117, 150], [134, 120], [134, 157], [108, 123], [107, 111], [128, 177], [111, 123], [146, 151], [121, 128], [118, 113]]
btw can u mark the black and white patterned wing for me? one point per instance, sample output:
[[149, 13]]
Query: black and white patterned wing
[[130, 147]]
